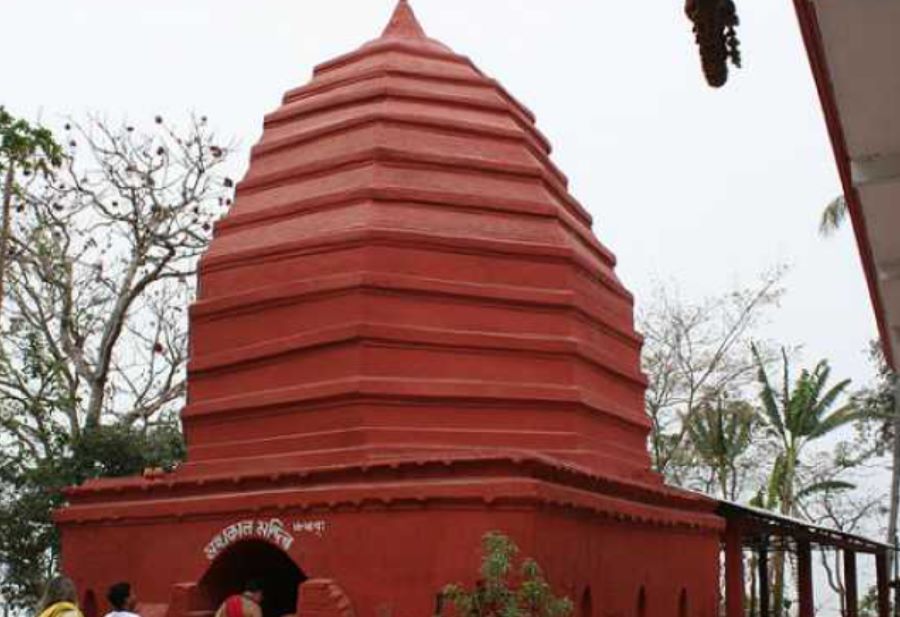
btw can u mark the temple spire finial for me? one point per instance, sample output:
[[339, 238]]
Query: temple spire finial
[[404, 23]]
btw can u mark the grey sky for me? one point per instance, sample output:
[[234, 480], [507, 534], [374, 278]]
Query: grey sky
[[705, 188]]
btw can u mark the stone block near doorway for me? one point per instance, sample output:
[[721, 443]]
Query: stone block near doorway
[[323, 598]]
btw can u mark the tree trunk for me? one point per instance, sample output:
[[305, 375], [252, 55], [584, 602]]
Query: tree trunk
[[778, 584], [895, 488], [5, 230], [787, 509], [723, 481], [753, 612]]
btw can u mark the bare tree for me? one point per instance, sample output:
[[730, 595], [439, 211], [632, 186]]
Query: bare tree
[[93, 334], [845, 510], [101, 273], [696, 354]]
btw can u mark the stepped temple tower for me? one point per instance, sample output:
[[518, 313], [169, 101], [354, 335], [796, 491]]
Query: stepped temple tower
[[406, 336]]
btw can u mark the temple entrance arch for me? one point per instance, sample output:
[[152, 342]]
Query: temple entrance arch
[[253, 560]]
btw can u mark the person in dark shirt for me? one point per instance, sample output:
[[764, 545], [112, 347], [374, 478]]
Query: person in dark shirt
[[122, 600]]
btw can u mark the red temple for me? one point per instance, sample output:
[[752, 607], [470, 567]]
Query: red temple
[[406, 336]]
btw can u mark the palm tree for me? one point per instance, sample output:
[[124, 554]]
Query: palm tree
[[797, 415], [720, 433], [833, 216]]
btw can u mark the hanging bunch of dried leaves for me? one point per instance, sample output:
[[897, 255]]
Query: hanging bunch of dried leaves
[[714, 26]]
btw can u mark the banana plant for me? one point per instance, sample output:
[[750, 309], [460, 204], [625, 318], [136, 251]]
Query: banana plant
[[796, 414]]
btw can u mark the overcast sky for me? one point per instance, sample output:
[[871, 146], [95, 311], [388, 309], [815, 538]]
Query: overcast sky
[[701, 187]]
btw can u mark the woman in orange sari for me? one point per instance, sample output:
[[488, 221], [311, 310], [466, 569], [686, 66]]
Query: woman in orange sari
[[246, 604]]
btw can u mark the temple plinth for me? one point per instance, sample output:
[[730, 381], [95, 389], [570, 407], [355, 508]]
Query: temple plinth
[[406, 335]]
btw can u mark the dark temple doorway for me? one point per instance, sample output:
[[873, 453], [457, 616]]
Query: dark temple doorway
[[254, 560]]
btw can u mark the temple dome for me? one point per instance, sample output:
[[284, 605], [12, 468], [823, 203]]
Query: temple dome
[[404, 274]]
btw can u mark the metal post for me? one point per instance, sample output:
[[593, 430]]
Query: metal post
[[851, 599], [804, 579], [763, 575], [734, 571]]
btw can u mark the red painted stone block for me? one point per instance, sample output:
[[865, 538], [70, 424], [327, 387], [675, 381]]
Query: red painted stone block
[[406, 336]]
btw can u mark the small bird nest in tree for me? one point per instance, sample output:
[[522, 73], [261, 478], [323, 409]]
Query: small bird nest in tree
[[714, 27]]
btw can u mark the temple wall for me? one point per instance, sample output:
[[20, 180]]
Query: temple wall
[[391, 560]]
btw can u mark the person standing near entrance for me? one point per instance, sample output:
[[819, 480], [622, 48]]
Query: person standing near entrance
[[246, 604], [122, 600]]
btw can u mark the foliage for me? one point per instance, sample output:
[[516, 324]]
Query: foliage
[[25, 147], [28, 539], [868, 604], [882, 433], [25, 150], [500, 593], [833, 216], [877, 402], [696, 354], [797, 414], [93, 336], [720, 433]]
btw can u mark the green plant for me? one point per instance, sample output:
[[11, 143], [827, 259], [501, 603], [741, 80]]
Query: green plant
[[25, 150], [32, 490], [720, 432], [796, 414], [505, 590], [833, 216]]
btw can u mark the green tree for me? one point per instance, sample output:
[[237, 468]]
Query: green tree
[[720, 434], [24, 150], [505, 590], [879, 401], [796, 415], [33, 489]]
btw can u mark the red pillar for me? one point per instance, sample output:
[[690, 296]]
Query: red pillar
[[804, 578], [851, 600], [881, 572], [734, 571]]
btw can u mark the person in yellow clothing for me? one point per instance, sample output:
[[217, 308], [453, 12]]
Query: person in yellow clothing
[[60, 599]]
